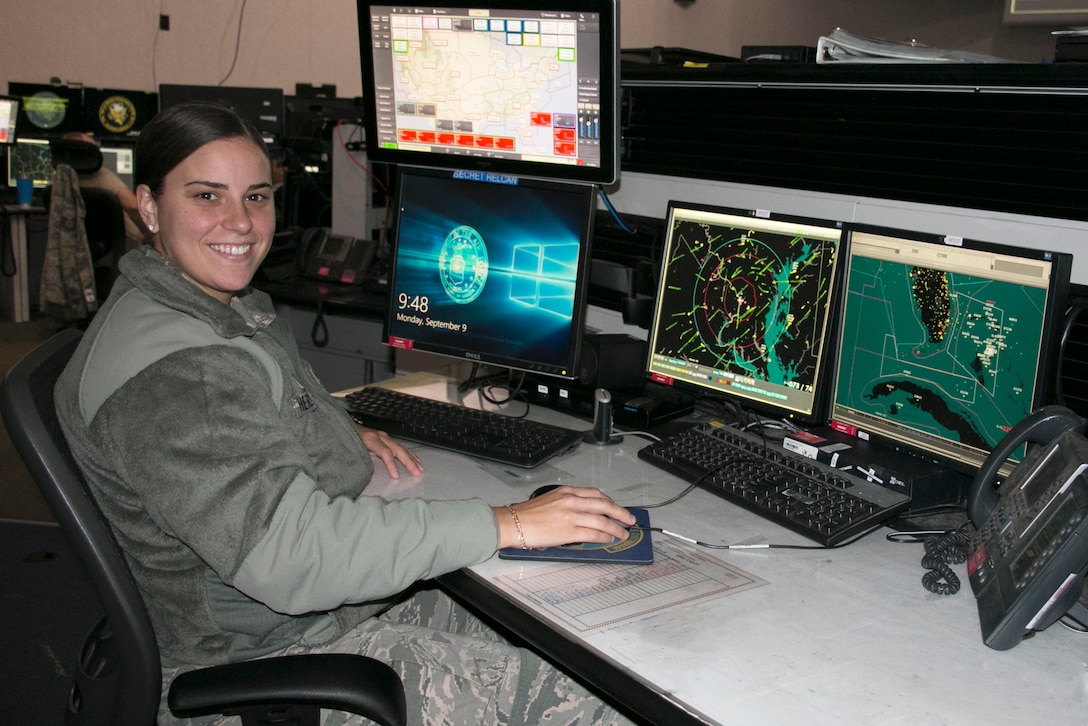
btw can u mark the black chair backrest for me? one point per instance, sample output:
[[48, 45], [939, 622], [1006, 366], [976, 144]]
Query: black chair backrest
[[104, 222], [119, 668], [83, 156]]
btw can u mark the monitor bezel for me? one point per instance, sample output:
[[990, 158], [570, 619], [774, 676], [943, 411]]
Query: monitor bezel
[[39, 182], [73, 114], [567, 369], [609, 53], [1058, 292], [819, 412], [247, 101], [144, 106], [14, 129]]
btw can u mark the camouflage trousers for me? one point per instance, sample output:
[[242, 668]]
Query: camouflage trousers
[[456, 670]]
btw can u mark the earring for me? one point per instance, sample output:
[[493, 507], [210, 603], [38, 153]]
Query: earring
[[151, 228]]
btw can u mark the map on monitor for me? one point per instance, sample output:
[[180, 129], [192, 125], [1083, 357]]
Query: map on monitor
[[945, 344], [745, 307]]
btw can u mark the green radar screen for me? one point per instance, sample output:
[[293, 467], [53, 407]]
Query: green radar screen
[[463, 265], [45, 109], [756, 308]]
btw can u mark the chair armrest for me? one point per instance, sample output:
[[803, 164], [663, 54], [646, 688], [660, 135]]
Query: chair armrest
[[352, 683]]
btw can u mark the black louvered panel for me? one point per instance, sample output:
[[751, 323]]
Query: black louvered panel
[[1074, 359], [983, 149], [624, 258]]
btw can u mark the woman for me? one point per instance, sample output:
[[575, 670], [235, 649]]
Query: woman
[[233, 479]]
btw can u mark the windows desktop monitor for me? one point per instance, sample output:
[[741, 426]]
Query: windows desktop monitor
[[746, 306], [491, 269], [525, 87], [945, 342]]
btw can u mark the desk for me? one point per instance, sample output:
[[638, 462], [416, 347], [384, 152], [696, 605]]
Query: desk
[[842, 636], [15, 289]]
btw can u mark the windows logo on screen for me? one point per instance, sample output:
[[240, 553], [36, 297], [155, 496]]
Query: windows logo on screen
[[543, 276]]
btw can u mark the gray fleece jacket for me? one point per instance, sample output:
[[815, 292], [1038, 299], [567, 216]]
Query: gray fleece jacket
[[232, 479]]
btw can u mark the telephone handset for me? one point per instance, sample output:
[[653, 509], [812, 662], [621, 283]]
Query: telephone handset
[[334, 257], [1030, 551]]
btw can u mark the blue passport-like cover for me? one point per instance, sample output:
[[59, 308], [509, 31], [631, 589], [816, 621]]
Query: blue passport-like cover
[[637, 549]]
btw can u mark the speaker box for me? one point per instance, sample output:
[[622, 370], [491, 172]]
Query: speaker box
[[612, 361]]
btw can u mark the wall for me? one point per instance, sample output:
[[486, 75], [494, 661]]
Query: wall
[[117, 44]]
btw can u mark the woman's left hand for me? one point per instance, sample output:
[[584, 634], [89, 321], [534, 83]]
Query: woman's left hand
[[389, 451]]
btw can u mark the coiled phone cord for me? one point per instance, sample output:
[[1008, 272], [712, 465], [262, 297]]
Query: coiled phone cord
[[942, 550]]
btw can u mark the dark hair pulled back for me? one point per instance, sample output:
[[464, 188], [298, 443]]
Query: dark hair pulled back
[[176, 132]]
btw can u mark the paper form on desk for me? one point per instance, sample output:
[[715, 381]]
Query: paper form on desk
[[590, 597]]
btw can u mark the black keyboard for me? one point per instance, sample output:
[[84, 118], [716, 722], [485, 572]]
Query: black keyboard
[[800, 493], [483, 434]]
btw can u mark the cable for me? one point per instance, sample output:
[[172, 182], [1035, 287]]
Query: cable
[[644, 434], [612, 210], [692, 486], [711, 546], [7, 253], [237, 43], [942, 550], [319, 332]]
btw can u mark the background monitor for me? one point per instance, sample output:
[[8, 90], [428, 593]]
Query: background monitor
[[117, 114], [9, 113], [746, 306], [30, 158], [946, 343], [120, 160], [312, 117], [491, 269], [527, 87], [263, 107], [46, 110]]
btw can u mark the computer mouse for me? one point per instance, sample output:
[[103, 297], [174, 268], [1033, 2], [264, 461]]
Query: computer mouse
[[543, 490]]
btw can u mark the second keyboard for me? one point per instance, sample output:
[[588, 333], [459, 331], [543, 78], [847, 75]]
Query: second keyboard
[[804, 495], [482, 434]]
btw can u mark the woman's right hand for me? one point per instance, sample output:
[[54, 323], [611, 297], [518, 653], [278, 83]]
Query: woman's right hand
[[563, 516]]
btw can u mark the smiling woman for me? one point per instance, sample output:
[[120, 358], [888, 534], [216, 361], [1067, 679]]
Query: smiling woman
[[210, 213], [235, 481]]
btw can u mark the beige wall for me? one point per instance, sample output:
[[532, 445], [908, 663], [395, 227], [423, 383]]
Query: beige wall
[[115, 43]]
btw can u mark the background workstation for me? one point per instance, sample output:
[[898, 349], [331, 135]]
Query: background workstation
[[269, 32]]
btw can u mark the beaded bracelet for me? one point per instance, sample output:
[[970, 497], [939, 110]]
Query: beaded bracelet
[[517, 524]]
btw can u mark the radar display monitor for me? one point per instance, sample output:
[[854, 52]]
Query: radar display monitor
[[30, 158], [526, 87], [946, 343], [746, 306], [47, 110], [9, 113], [491, 268]]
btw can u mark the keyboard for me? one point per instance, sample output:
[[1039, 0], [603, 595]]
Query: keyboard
[[802, 494], [482, 434]]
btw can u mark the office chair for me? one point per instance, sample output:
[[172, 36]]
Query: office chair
[[104, 220], [118, 678]]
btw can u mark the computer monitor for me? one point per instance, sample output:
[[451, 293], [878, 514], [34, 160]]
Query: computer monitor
[[309, 117], [9, 113], [491, 268], [30, 158], [117, 114], [263, 107], [47, 110], [524, 87], [746, 306], [120, 160], [946, 343]]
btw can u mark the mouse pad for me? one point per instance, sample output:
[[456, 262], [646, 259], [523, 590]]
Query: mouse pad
[[637, 549]]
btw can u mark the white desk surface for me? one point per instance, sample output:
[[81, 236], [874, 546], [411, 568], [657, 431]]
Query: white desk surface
[[839, 636]]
